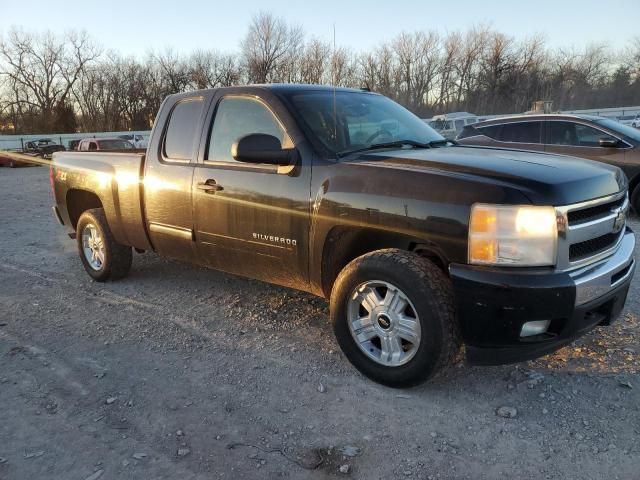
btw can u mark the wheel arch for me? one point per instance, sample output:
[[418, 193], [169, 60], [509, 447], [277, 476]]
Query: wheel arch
[[79, 201], [634, 184], [344, 244]]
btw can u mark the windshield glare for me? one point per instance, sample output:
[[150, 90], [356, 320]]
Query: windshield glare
[[362, 119], [626, 130]]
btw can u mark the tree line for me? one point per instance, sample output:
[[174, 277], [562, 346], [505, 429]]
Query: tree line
[[65, 83]]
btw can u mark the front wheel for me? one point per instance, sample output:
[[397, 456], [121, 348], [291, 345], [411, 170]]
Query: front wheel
[[102, 257], [392, 314]]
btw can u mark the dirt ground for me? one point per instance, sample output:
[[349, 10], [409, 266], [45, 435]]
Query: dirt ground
[[182, 372]]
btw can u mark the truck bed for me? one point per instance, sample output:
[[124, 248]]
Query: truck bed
[[115, 179]]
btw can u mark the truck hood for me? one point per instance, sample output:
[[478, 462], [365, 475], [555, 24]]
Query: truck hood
[[546, 179]]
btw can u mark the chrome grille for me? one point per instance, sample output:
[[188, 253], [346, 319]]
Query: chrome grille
[[589, 231], [593, 213], [588, 248]]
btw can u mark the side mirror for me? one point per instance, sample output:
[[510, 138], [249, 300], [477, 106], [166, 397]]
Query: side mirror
[[609, 142], [261, 148]]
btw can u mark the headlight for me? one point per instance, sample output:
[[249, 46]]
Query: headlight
[[520, 236]]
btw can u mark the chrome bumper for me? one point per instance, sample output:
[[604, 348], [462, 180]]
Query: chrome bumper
[[597, 279]]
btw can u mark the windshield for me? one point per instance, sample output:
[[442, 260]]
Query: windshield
[[114, 145], [362, 119], [632, 133]]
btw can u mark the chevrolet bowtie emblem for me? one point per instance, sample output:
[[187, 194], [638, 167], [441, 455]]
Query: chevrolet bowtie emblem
[[619, 221]]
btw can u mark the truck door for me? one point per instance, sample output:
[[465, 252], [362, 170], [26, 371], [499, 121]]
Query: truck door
[[251, 219], [168, 176]]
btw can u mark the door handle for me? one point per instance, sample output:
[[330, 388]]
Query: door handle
[[210, 186]]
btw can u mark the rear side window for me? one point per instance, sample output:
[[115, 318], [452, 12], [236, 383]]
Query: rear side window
[[182, 128], [520, 132], [491, 131], [562, 133], [467, 131]]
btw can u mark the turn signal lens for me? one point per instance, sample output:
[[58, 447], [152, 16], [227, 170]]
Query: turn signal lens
[[484, 250], [483, 221], [512, 235]]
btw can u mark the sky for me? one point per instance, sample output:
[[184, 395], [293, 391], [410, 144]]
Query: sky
[[137, 27]]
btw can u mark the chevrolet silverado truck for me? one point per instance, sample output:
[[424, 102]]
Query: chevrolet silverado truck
[[425, 249]]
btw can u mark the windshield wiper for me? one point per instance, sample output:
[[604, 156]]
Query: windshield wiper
[[395, 143]]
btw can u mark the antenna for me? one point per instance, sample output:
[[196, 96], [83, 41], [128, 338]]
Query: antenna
[[333, 81]]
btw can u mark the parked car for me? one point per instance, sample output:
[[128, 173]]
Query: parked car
[[635, 123], [451, 124], [44, 148], [419, 244], [137, 140], [90, 144], [585, 136], [73, 144]]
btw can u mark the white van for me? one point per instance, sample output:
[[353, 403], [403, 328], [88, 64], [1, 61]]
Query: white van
[[449, 125]]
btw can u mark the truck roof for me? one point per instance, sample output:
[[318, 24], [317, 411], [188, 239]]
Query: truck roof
[[280, 87]]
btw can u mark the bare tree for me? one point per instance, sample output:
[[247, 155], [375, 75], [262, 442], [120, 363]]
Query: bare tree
[[447, 74], [43, 68], [267, 46], [315, 62], [49, 81], [211, 69], [173, 71], [417, 67]]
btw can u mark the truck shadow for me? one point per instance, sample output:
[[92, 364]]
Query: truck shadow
[[251, 305]]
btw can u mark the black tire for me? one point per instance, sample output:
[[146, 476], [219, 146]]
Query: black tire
[[635, 200], [430, 292], [117, 257]]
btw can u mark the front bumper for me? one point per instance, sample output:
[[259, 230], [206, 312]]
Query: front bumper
[[493, 303]]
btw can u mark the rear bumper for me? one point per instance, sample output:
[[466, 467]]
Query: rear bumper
[[494, 303]]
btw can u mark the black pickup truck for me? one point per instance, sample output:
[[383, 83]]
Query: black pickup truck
[[420, 245]]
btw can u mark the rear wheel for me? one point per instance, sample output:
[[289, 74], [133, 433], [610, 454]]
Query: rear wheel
[[392, 314], [102, 257]]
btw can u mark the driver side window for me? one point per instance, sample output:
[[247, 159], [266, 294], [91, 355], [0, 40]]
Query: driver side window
[[237, 117]]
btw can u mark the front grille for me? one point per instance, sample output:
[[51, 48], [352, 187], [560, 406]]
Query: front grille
[[577, 217], [590, 230], [594, 246]]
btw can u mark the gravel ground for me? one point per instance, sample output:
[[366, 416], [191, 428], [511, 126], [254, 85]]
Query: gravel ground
[[182, 372]]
